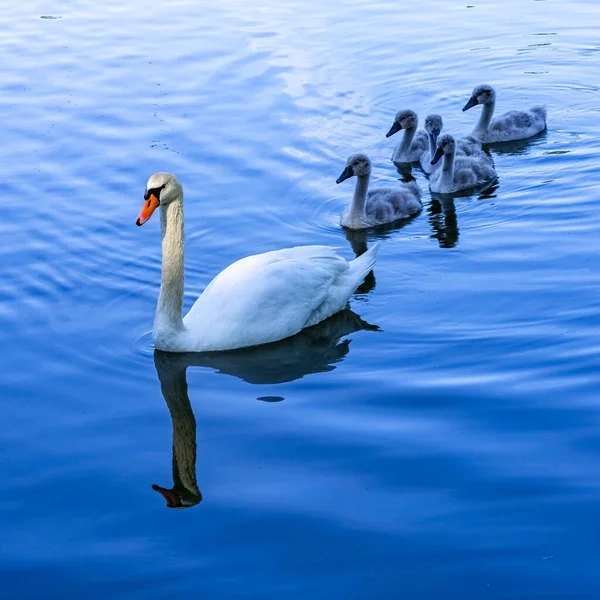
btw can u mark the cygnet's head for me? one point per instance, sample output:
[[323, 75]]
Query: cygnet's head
[[433, 125], [162, 188], [405, 119], [445, 145], [482, 94], [357, 164]]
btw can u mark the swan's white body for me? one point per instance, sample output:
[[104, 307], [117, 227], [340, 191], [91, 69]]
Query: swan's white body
[[466, 146], [460, 173], [378, 206], [413, 142], [256, 300], [513, 125], [271, 296]]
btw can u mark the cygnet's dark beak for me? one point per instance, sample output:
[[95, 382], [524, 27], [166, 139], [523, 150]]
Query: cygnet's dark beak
[[395, 128], [436, 157], [471, 103], [346, 174]]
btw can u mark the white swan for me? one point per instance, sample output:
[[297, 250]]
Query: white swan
[[256, 300], [459, 173], [378, 206], [467, 146], [513, 125], [413, 142]]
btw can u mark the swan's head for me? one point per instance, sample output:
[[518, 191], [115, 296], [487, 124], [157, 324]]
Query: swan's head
[[357, 164], [433, 125], [177, 499], [482, 94], [162, 188], [445, 145], [405, 119]]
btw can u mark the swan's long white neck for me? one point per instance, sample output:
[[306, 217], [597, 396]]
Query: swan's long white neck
[[168, 317], [447, 177], [485, 119], [357, 208], [407, 139]]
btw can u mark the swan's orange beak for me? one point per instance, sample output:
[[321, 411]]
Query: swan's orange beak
[[151, 202]]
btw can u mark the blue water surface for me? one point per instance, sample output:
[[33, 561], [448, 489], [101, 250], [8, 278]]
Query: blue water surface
[[439, 439]]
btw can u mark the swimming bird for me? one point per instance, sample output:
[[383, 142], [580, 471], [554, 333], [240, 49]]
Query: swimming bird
[[256, 300], [378, 206], [513, 125], [459, 173], [413, 142], [466, 146]]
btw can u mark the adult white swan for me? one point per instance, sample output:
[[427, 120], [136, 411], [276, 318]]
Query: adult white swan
[[256, 300], [461, 173], [513, 125], [378, 206]]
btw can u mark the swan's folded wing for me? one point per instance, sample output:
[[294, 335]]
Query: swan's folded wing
[[265, 297]]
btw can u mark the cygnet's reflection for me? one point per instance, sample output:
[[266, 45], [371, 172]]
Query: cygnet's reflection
[[313, 350], [359, 238], [404, 170], [442, 214], [516, 147]]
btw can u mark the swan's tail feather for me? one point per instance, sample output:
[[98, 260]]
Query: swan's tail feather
[[413, 186], [360, 267], [539, 111]]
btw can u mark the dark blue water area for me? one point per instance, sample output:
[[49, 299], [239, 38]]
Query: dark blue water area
[[440, 438]]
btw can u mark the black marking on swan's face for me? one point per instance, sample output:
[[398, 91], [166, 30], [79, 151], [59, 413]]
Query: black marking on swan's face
[[154, 192]]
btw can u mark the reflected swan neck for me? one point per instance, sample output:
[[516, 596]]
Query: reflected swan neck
[[175, 391]]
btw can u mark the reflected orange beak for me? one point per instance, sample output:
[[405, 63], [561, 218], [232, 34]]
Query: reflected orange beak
[[170, 496], [150, 205]]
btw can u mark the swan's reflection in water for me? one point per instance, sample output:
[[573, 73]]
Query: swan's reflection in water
[[313, 350], [359, 239], [516, 147], [173, 384], [405, 170], [442, 214]]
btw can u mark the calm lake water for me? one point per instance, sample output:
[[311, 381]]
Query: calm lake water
[[453, 453]]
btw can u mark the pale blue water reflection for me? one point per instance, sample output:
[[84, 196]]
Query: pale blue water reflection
[[454, 453]]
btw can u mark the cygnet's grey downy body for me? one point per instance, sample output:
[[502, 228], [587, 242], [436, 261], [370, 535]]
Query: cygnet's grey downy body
[[459, 173], [370, 208], [513, 125]]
